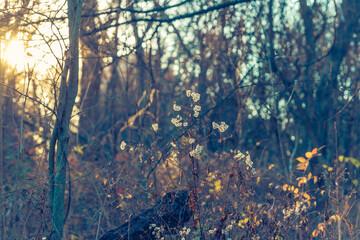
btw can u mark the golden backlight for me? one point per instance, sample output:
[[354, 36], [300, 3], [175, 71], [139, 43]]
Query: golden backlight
[[14, 54]]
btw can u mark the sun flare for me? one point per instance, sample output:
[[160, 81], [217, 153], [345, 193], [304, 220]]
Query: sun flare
[[14, 54]]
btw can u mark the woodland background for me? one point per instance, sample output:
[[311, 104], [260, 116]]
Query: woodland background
[[220, 98]]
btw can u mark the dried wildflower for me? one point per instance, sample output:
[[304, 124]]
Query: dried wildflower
[[196, 114], [176, 107], [191, 140], [188, 93], [184, 231], [185, 124], [122, 145], [248, 160], [229, 227], [197, 108], [223, 126], [195, 96], [177, 121], [155, 127], [287, 212], [196, 152], [239, 155], [249, 163]]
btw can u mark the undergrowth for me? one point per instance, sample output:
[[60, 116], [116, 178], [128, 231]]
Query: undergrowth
[[231, 196]]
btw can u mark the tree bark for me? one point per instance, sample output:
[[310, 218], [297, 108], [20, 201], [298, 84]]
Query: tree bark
[[60, 135], [92, 66], [170, 212], [2, 209]]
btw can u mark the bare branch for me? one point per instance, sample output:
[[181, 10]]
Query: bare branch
[[169, 20], [27, 96]]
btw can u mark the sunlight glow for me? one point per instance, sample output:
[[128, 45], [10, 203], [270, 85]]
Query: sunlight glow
[[14, 54]]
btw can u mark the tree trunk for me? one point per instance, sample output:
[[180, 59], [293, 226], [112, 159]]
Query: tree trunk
[[2, 208], [60, 134], [92, 66]]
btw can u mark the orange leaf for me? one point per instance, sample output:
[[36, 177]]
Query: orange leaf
[[309, 176], [315, 233], [301, 159], [302, 181], [321, 226], [306, 196], [308, 154], [302, 166], [334, 217], [128, 195], [314, 151], [315, 179]]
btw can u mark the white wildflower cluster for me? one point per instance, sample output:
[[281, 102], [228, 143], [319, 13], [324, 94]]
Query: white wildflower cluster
[[256, 237], [297, 209], [195, 96], [197, 109], [239, 155], [222, 126], [177, 121], [287, 212], [191, 140], [247, 159], [155, 127], [228, 228], [212, 231], [196, 152], [184, 232], [122, 145], [188, 93], [176, 107], [157, 231]]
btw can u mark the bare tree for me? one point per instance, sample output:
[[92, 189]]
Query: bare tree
[[60, 134]]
